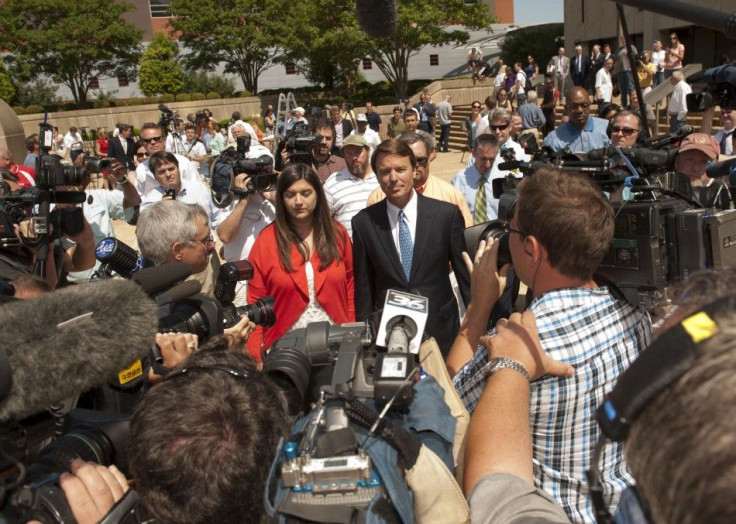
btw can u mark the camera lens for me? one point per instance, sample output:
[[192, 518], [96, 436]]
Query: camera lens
[[260, 312], [495, 229]]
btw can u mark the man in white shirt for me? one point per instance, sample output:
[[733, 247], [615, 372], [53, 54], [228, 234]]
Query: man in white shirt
[[677, 105], [153, 140], [603, 83], [370, 136], [236, 121], [73, 143], [194, 150], [347, 190], [725, 135]]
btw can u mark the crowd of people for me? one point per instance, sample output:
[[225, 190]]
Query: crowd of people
[[364, 215]]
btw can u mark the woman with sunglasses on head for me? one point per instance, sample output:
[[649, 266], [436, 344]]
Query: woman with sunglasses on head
[[673, 55], [303, 260], [139, 153]]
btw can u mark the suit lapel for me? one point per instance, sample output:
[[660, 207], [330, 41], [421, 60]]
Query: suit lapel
[[383, 232], [425, 220]]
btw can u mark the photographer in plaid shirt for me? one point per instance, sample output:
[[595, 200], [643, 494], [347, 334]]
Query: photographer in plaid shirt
[[561, 229]]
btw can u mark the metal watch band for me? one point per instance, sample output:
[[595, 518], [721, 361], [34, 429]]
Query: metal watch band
[[497, 363]]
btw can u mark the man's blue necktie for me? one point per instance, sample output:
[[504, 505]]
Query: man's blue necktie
[[405, 244]]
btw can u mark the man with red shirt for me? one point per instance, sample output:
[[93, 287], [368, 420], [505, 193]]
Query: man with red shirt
[[26, 175]]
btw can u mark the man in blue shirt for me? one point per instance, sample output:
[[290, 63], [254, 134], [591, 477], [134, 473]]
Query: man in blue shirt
[[583, 132]]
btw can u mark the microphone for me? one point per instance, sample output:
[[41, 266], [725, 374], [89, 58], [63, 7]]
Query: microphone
[[400, 312], [71, 340], [724, 168], [120, 257], [638, 155], [230, 274], [179, 292], [377, 17], [156, 279]]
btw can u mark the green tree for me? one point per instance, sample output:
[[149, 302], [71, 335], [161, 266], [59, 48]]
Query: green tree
[[538, 41], [421, 23], [7, 89], [243, 35], [329, 48], [160, 71], [71, 41], [39, 92], [202, 82]]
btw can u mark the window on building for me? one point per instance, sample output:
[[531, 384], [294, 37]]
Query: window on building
[[94, 83], [122, 81], [434, 60], [290, 69], [367, 64], [159, 8]]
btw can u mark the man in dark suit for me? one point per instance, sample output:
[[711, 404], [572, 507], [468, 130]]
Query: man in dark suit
[[426, 110], [580, 66], [121, 147], [405, 242]]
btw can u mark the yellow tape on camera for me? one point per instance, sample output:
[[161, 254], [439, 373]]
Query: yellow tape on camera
[[131, 373]]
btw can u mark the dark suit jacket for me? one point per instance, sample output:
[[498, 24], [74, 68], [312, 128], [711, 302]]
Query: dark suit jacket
[[430, 109], [115, 150], [579, 78], [347, 127], [377, 266]]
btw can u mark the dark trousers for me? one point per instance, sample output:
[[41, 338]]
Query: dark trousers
[[444, 144], [424, 126], [625, 85]]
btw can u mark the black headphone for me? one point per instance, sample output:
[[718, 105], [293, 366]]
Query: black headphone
[[656, 368]]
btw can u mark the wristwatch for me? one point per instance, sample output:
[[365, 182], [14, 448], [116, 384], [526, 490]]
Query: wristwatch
[[497, 363]]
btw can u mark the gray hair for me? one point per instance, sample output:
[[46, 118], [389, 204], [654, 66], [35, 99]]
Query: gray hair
[[500, 114], [531, 96], [677, 75], [241, 126], [165, 223], [410, 138]]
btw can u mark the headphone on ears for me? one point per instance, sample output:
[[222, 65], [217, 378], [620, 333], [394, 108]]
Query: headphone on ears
[[656, 368]]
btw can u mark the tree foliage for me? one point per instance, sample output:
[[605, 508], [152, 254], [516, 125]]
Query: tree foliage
[[7, 89], [71, 41], [326, 43], [421, 23], [243, 35], [203, 82], [160, 71], [538, 41], [38, 92]]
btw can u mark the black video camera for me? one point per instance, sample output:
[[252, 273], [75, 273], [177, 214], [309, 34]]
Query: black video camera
[[166, 121], [299, 143], [233, 162], [720, 91]]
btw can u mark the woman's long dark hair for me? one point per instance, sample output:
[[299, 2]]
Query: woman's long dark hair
[[325, 232]]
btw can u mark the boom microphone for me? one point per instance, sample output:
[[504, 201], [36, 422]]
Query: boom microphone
[[71, 340], [377, 17], [154, 280]]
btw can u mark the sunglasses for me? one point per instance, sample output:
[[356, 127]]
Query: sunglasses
[[141, 155], [152, 139], [627, 131], [422, 160], [501, 127], [508, 229], [582, 105], [475, 107]]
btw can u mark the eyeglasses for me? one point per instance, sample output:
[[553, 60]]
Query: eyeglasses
[[501, 127], [209, 241], [475, 107], [422, 160], [152, 139], [581, 105], [508, 229], [141, 155], [627, 131]]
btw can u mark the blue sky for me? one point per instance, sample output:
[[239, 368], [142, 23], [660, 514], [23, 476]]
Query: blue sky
[[536, 11]]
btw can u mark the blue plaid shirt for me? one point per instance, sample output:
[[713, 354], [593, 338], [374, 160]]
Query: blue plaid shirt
[[600, 337]]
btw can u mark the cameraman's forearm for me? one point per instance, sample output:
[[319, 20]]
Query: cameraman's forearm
[[131, 197], [229, 227], [473, 327], [83, 255]]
